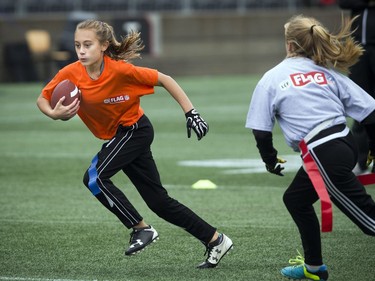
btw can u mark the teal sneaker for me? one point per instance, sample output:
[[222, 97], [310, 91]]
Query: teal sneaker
[[298, 270]]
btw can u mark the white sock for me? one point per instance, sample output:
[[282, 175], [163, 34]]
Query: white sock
[[313, 268]]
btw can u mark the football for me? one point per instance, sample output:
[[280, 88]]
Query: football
[[65, 89]]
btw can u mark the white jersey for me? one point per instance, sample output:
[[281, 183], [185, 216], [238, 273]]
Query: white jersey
[[300, 95]]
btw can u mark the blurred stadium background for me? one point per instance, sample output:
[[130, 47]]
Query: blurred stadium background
[[50, 228], [182, 37]]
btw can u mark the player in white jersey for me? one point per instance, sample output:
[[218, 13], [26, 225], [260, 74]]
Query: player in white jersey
[[310, 99]]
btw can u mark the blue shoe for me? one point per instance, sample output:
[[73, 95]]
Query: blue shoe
[[298, 270]]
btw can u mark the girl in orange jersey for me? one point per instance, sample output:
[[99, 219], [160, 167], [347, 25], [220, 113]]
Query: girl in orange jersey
[[111, 88]]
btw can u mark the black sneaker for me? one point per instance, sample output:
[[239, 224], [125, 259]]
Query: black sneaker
[[140, 239], [216, 251]]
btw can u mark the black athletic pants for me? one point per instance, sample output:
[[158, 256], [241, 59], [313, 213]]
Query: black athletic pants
[[335, 159], [130, 152]]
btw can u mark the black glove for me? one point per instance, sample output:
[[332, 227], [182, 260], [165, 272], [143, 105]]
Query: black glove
[[276, 168], [195, 121], [371, 160]]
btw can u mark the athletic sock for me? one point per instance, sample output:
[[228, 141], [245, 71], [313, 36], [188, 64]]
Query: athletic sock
[[312, 268], [217, 241]]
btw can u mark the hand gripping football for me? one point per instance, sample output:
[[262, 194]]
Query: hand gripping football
[[65, 89]]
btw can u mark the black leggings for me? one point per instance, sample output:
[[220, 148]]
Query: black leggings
[[130, 152], [336, 160], [363, 74]]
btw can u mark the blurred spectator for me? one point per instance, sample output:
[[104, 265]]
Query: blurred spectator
[[363, 73], [327, 2]]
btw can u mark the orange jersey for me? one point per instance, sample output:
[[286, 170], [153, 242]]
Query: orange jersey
[[111, 100]]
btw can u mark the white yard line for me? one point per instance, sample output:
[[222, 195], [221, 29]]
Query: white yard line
[[243, 166]]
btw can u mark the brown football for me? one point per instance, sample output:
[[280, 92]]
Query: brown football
[[65, 89]]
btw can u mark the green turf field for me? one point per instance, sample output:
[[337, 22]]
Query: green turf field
[[51, 227]]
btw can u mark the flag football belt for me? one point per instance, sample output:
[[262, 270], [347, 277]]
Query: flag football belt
[[313, 172]]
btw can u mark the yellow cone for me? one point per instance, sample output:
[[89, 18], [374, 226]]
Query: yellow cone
[[204, 184]]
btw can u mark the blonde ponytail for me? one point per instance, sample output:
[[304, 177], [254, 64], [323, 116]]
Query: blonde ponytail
[[311, 39]]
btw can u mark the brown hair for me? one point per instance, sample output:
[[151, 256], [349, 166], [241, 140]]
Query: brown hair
[[127, 49], [311, 39]]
